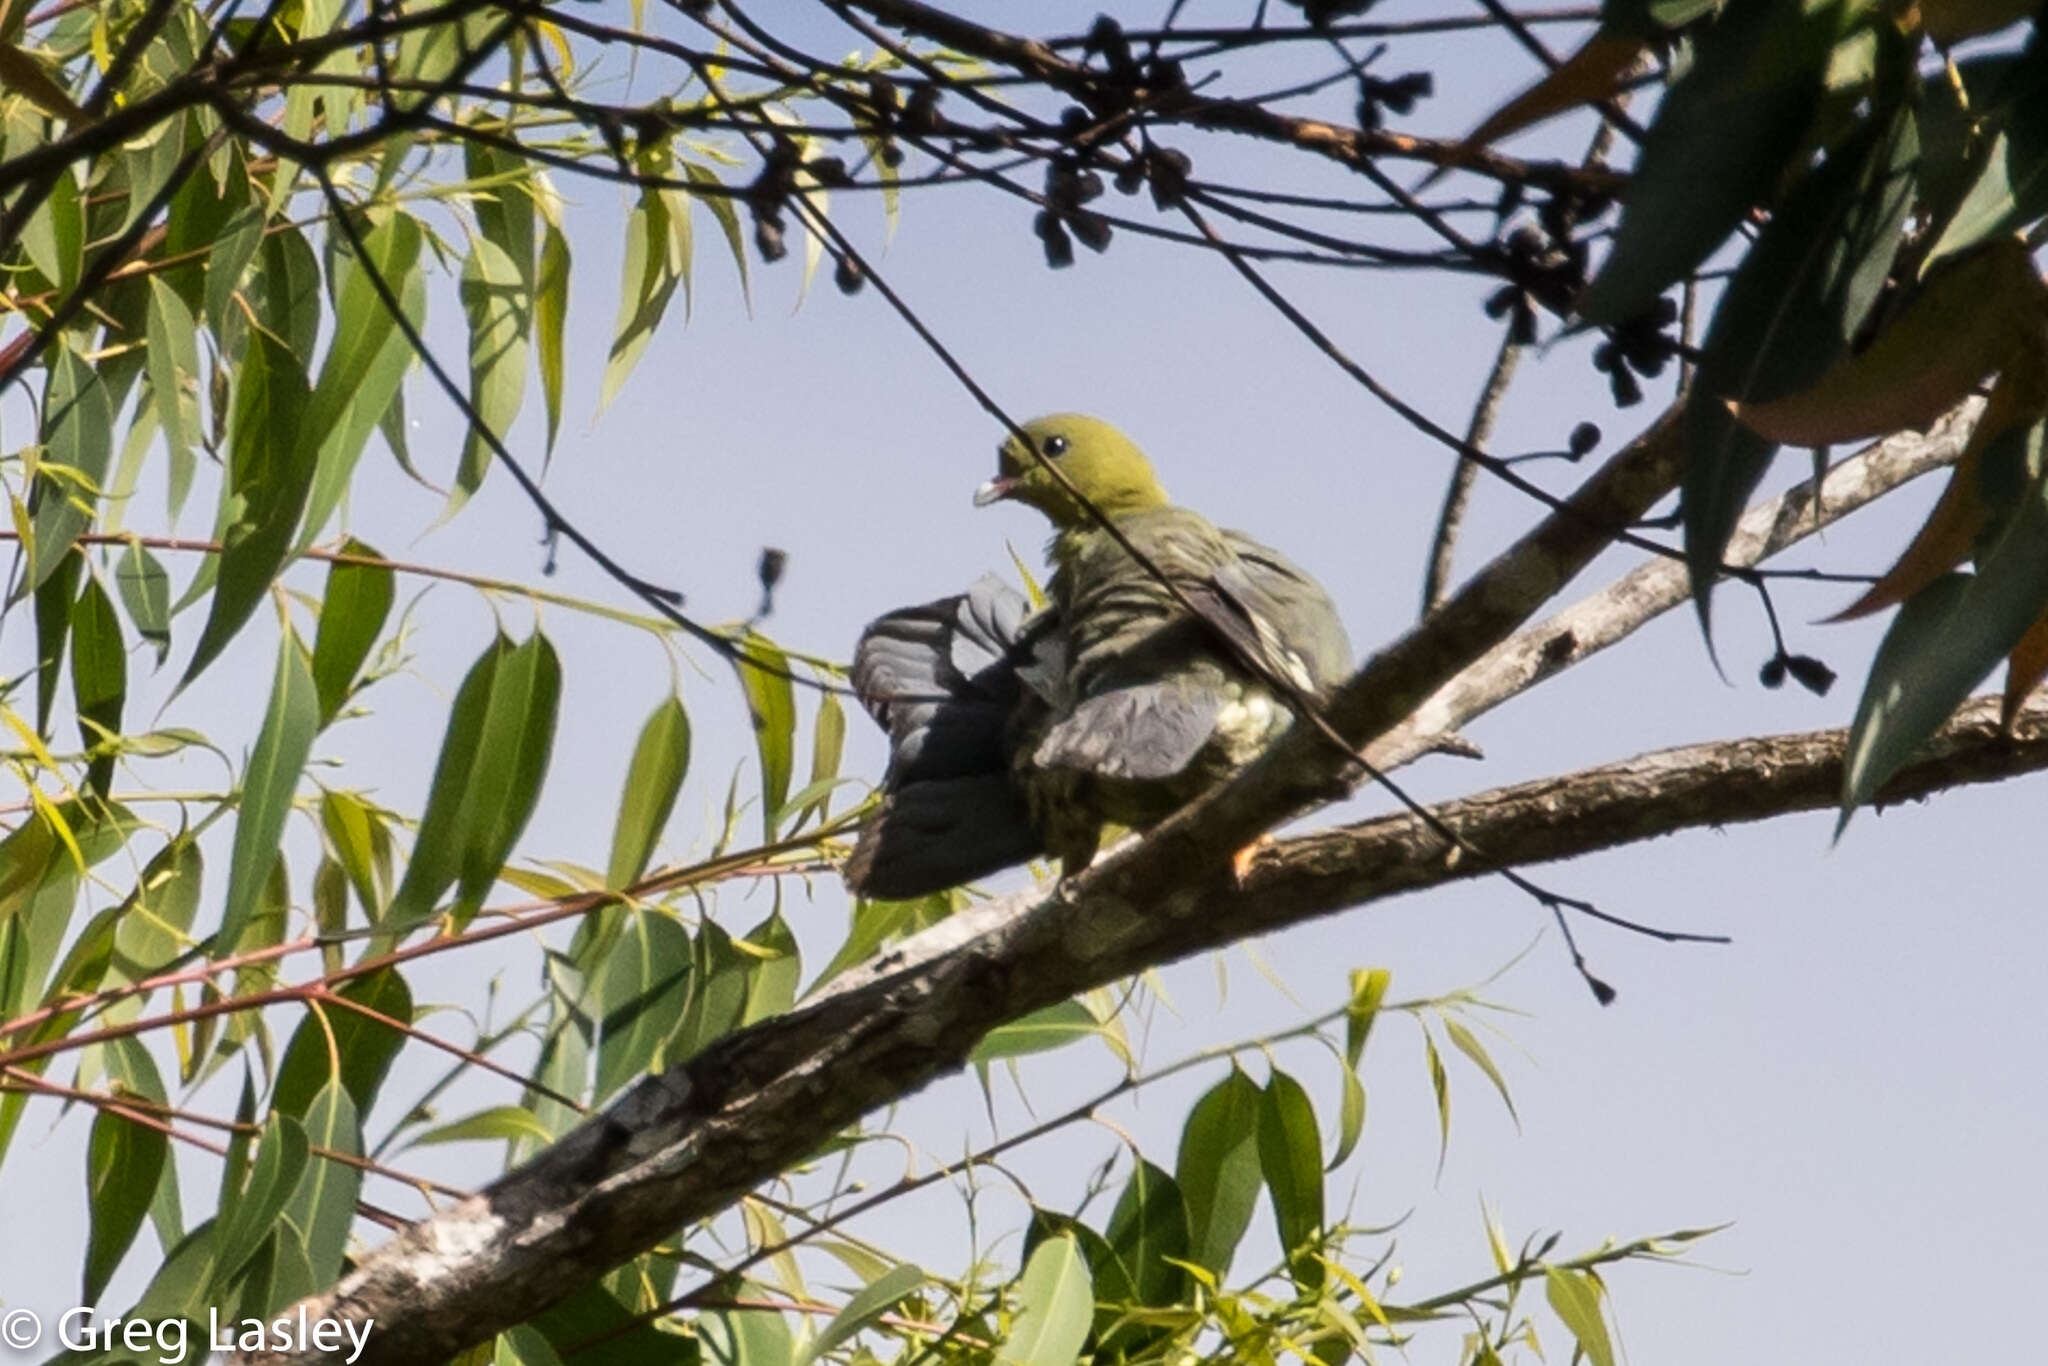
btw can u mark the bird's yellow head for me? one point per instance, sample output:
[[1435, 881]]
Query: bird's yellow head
[[1104, 466]]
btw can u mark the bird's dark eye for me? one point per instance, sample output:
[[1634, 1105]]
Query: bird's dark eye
[[1055, 445]]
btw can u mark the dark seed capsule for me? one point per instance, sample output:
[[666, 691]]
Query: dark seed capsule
[[828, 171], [921, 111], [1811, 674], [773, 562], [768, 239], [849, 277], [1093, 230], [1584, 438], [1772, 674], [1059, 248]]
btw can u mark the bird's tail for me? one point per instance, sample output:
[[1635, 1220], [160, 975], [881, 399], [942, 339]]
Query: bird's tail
[[943, 679], [930, 835]]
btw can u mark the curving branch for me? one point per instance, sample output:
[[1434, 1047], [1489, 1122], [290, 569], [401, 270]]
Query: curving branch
[[684, 1145], [1352, 147], [1616, 612]]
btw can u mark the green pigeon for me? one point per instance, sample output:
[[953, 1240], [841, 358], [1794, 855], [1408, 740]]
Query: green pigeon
[[1014, 736]]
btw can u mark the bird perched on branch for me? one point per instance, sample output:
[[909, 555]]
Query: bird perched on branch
[[1170, 654]]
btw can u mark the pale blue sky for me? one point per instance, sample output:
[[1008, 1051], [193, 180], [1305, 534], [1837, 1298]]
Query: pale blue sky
[[1852, 1083]]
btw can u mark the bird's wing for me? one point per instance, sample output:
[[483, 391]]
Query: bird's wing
[[930, 835], [1144, 731], [940, 679], [1283, 613], [943, 679]]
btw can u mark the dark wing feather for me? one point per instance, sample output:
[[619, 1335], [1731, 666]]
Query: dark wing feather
[[1145, 731], [939, 679], [1288, 616], [931, 835], [943, 680]]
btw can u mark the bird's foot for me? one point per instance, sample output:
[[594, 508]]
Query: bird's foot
[[1241, 862]]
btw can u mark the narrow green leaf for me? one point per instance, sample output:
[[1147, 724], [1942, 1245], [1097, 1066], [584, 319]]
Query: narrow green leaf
[[503, 204], [1368, 990], [268, 784], [1350, 1118], [591, 1328], [360, 840], [872, 1301], [78, 435], [124, 1162], [99, 677], [179, 1290], [284, 291], [661, 757], [270, 467], [771, 704], [228, 261], [361, 376], [1575, 1298], [1468, 1043], [497, 298], [146, 593], [246, 1220], [1945, 640], [1440, 1083], [718, 995], [1796, 302], [54, 597], [519, 735], [172, 358], [1291, 1160], [1055, 1307], [551, 316], [1148, 1231], [772, 984], [639, 994], [364, 1043], [154, 924], [323, 1206], [728, 215], [2010, 188], [1218, 1169], [1053, 1026], [352, 614], [499, 1123], [54, 236], [1718, 145], [500, 732], [654, 265]]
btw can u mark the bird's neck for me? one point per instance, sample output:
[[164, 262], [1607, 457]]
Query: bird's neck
[[1075, 537]]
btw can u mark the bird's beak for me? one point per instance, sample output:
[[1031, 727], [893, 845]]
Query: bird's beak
[[995, 490]]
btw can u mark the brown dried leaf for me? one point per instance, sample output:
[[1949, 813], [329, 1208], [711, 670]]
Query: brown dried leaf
[[1976, 317], [1592, 73], [1951, 529]]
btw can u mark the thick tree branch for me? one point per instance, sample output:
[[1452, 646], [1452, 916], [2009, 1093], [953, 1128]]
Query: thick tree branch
[[684, 1145], [1647, 592]]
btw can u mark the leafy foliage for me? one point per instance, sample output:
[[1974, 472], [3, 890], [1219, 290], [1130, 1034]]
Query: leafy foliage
[[224, 240]]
